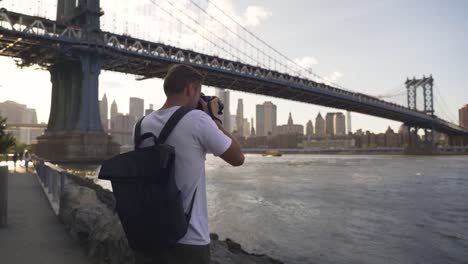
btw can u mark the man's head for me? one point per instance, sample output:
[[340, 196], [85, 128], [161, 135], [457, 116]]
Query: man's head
[[183, 82]]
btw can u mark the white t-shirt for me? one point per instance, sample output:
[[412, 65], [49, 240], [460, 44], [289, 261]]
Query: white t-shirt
[[194, 136]]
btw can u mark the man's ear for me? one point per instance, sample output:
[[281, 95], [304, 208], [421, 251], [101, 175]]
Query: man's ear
[[188, 90]]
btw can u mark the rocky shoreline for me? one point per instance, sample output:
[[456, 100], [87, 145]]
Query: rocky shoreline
[[87, 211]]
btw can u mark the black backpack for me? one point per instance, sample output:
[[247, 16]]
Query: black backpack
[[148, 202]]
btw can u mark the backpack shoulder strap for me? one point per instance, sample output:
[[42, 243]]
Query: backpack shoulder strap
[[137, 134], [172, 122]]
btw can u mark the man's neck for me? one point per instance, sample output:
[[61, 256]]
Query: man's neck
[[171, 102]]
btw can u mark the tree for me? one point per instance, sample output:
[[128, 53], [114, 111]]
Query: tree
[[7, 140]]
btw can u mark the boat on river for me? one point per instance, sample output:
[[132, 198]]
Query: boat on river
[[272, 153]]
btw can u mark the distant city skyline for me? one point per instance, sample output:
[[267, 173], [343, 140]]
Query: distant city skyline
[[337, 119], [290, 135], [337, 125]]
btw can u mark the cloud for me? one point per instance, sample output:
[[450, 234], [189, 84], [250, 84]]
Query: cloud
[[306, 62], [332, 78], [306, 70], [335, 76], [303, 66], [254, 15]]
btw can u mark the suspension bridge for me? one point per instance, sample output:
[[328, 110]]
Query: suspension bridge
[[74, 49]]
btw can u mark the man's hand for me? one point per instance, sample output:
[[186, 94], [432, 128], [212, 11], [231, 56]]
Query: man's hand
[[204, 105], [214, 103]]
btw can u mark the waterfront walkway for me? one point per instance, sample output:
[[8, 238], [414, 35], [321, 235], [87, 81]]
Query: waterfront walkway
[[34, 233]]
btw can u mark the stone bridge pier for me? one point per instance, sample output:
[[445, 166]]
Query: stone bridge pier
[[74, 132], [421, 146]]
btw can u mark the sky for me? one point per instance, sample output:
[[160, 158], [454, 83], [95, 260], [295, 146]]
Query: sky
[[362, 45]]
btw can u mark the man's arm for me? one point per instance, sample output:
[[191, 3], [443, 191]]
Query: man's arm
[[233, 155]]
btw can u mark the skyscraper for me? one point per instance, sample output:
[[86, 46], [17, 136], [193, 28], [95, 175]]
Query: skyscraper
[[320, 126], [330, 124], [252, 130], [463, 116], [335, 124], [113, 114], [348, 117], [150, 110], [16, 113], [265, 118], [240, 117], [289, 129], [123, 126], [223, 95], [339, 124], [137, 107], [246, 128], [309, 129], [233, 123], [103, 110], [290, 120]]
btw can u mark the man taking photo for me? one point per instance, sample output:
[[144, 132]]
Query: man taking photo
[[194, 135]]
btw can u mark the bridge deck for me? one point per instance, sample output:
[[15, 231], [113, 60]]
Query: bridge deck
[[34, 233]]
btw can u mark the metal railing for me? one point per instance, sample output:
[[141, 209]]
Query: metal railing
[[52, 179], [457, 149]]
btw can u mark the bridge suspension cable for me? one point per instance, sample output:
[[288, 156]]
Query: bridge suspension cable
[[272, 48], [443, 106], [253, 55], [393, 92], [44, 8], [233, 32], [231, 47], [213, 33], [188, 26], [392, 95]]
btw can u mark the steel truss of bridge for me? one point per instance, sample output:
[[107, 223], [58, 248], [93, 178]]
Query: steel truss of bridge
[[36, 40]]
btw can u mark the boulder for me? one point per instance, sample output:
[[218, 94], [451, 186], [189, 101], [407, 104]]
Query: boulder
[[94, 224]]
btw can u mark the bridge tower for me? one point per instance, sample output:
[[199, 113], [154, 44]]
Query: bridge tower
[[427, 84], [416, 146], [74, 132]]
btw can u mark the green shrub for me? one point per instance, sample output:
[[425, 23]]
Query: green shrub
[[7, 140]]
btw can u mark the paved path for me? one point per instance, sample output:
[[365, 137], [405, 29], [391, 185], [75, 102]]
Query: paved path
[[34, 234]]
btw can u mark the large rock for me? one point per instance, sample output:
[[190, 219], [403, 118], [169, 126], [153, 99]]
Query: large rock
[[87, 211], [230, 252], [94, 224]]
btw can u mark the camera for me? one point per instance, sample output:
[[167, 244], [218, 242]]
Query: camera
[[207, 100]]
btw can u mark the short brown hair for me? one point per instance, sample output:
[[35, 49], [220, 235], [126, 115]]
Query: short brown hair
[[178, 77]]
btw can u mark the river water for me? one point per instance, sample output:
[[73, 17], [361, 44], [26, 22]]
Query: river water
[[343, 208]]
